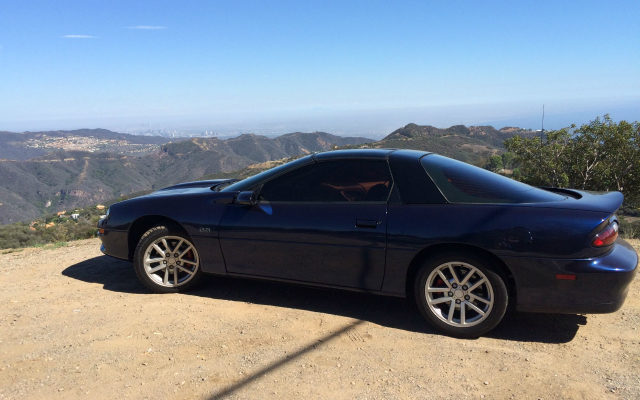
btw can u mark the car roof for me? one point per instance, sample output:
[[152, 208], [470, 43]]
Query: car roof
[[366, 153]]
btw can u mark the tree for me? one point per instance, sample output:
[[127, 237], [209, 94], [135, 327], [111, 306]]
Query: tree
[[541, 162], [600, 155], [495, 163], [508, 160]]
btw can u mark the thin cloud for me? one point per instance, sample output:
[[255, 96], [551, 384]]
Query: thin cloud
[[147, 27], [79, 37]]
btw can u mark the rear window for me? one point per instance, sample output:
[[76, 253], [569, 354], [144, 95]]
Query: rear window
[[463, 183]]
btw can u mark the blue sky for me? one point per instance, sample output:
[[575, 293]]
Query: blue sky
[[345, 66]]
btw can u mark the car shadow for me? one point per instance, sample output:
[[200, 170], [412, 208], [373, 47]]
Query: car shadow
[[118, 276]]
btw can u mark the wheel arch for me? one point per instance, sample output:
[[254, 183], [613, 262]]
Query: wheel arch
[[496, 264], [143, 224]]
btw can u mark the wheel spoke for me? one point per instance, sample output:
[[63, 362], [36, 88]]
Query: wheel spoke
[[473, 296], [175, 250], [159, 250], [468, 276], [175, 276], [156, 269], [185, 270], [440, 300], [153, 260], [452, 308], [189, 262], [437, 290], [444, 278], [462, 313], [184, 252], [475, 285], [475, 308], [453, 274], [165, 280]]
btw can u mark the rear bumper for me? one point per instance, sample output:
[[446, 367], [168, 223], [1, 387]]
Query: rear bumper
[[601, 284]]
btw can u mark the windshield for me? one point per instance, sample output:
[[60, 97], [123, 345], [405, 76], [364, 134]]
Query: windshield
[[463, 183], [250, 182]]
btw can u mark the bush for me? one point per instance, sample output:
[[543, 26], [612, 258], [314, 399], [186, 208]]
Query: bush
[[65, 229], [602, 156], [629, 229]]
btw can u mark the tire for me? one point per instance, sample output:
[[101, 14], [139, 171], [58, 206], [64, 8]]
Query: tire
[[163, 271], [465, 303]]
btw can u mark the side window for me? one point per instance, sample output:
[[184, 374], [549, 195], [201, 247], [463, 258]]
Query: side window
[[332, 181]]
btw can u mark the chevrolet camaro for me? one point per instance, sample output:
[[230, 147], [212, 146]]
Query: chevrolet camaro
[[461, 241]]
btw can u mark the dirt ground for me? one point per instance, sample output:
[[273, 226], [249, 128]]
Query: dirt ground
[[76, 324]]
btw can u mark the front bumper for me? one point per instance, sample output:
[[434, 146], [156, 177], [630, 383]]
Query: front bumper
[[601, 284], [114, 242]]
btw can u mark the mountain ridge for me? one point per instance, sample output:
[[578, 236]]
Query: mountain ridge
[[62, 179], [472, 144], [65, 179]]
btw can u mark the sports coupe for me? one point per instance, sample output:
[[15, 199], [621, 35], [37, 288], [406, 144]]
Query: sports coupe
[[462, 241]]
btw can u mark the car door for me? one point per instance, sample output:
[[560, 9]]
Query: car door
[[322, 223]]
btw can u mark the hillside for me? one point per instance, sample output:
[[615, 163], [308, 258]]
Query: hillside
[[68, 179], [27, 145], [71, 170], [472, 144], [56, 228]]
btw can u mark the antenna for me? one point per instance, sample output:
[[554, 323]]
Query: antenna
[[542, 130]]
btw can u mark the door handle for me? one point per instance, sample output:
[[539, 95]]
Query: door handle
[[366, 223]]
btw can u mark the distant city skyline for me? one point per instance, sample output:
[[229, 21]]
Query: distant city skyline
[[355, 68]]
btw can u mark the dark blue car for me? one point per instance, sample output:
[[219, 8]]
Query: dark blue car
[[464, 242]]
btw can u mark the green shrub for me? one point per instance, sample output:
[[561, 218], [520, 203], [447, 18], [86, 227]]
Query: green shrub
[[629, 229]]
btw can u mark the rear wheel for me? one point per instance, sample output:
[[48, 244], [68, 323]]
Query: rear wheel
[[460, 294], [166, 261]]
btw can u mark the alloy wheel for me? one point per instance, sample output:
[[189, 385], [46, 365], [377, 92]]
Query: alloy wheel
[[171, 261], [459, 294]]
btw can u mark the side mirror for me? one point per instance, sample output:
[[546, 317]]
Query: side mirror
[[247, 198]]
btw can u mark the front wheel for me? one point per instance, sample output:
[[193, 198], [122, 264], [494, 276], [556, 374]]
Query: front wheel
[[166, 261], [460, 294]]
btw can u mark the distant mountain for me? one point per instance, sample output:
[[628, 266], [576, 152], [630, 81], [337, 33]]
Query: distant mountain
[[72, 169], [65, 179], [209, 155], [472, 144], [27, 145]]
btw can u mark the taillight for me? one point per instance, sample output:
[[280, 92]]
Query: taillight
[[606, 236]]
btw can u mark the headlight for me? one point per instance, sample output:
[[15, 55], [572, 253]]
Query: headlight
[[107, 213]]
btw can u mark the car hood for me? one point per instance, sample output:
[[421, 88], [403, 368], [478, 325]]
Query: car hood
[[211, 184], [188, 189]]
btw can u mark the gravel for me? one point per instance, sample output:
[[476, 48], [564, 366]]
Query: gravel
[[76, 324]]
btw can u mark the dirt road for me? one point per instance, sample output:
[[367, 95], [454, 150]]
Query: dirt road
[[76, 324]]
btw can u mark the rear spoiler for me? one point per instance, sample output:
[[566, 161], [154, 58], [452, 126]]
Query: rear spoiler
[[608, 202], [605, 201]]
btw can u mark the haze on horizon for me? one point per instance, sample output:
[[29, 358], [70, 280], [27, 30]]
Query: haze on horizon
[[357, 68]]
